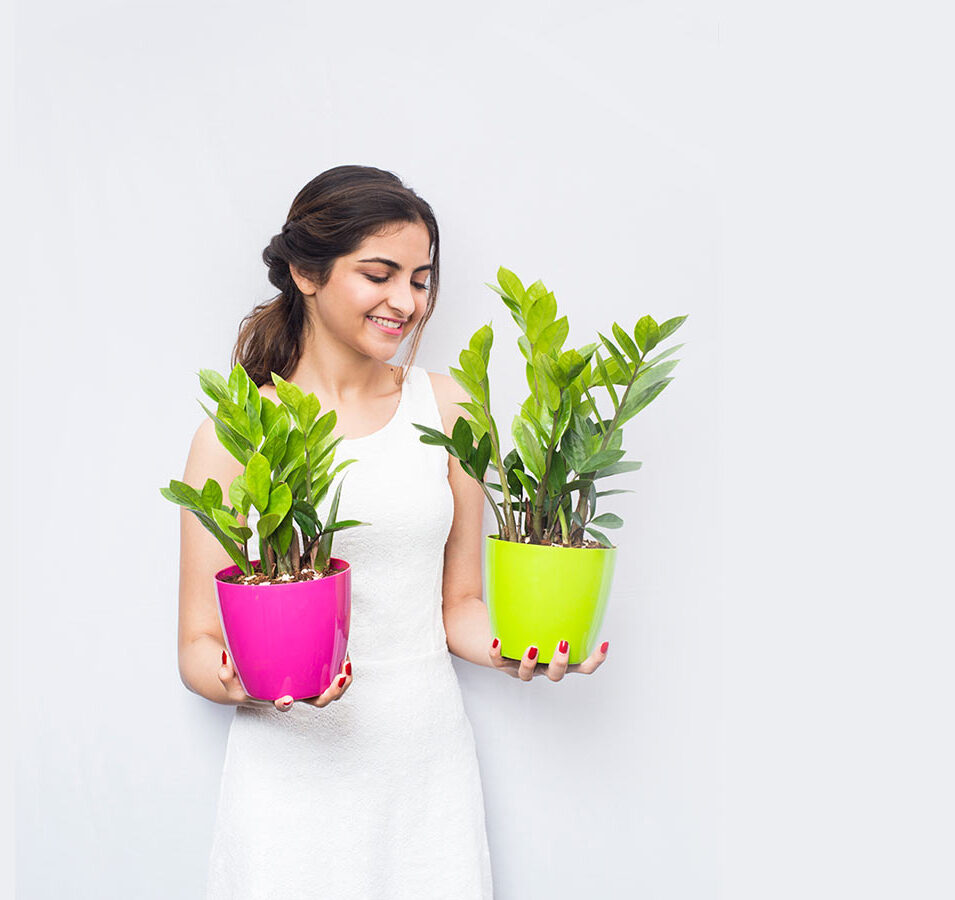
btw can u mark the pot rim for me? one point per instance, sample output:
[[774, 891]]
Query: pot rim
[[345, 567], [494, 537]]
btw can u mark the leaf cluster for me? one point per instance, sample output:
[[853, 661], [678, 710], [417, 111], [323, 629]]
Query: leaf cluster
[[562, 443], [287, 455]]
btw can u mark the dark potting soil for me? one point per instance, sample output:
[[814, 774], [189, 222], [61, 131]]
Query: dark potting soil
[[305, 574]]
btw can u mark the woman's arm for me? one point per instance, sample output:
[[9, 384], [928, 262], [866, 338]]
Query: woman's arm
[[466, 620], [200, 556]]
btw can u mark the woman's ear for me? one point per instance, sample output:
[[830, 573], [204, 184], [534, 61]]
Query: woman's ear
[[305, 286]]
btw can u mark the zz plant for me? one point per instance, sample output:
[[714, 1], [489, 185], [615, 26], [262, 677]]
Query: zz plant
[[562, 443], [287, 454]]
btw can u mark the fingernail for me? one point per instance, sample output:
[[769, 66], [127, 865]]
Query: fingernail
[[223, 657], [341, 681], [348, 668], [494, 645], [533, 653], [563, 646], [604, 646]]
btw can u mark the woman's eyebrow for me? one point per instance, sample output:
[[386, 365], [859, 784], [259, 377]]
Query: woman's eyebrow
[[392, 263]]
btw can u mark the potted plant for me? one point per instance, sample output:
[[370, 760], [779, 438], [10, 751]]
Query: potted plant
[[545, 580], [285, 616]]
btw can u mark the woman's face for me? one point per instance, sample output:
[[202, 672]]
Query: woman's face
[[388, 278]]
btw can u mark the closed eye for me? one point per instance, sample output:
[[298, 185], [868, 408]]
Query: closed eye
[[417, 284]]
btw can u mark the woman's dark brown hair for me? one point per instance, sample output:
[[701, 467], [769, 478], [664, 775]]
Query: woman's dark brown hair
[[329, 218]]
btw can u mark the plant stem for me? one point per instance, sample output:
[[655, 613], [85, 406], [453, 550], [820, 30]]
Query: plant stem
[[497, 515], [593, 406], [542, 487], [509, 528]]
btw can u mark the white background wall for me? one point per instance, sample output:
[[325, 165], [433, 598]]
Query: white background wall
[[774, 719]]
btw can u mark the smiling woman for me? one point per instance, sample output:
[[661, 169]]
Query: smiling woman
[[373, 788], [351, 224]]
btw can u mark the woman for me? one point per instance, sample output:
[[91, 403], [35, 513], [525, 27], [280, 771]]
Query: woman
[[372, 789]]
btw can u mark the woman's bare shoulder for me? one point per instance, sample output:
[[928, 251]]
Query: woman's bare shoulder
[[448, 393]]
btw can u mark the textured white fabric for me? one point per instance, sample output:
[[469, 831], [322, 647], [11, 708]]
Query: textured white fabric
[[378, 795]]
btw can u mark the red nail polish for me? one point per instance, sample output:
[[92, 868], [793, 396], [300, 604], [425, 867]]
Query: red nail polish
[[494, 645], [223, 657], [533, 653], [563, 646], [348, 668], [341, 681], [604, 646]]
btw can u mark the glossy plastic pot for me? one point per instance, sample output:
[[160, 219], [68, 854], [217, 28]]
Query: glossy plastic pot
[[286, 639], [540, 594]]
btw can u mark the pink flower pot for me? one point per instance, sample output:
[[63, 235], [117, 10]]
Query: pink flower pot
[[286, 639]]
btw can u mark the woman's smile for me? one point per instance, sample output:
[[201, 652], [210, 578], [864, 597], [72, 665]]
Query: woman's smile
[[389, 326]]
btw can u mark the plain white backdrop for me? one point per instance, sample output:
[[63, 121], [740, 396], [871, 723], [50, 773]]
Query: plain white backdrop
[[774, 719]]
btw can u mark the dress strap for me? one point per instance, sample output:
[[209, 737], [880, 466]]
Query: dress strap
[[420, 405]]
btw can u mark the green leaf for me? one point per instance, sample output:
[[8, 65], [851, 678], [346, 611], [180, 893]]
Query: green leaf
[[643, 400], [511, 284], [239, 385], [482, 454], [308, 409], [618, 468], [462, 438], [345, 523], [473, 365], [624, 340], [280, 501], [477, 412], [647, 363], [275, 442], [525, 347], [177, 498], [535, 291], [527, 446], [552, 338], [295, 452], [475, 390], [571, 364], [284, 534], [290, 394], [670, 325], [607, 520], [614, 491], [239, 497], [267, 524], [600, 537], [600, 459], [237, 444], [433, 436], [270, 413], [226, 521], [227, 543], [258, 481], [607, 382], [211, 495], [481, 342], [616, 354], [322, 428], [214, 386], [540, 315], [646, 333], [528, 483]]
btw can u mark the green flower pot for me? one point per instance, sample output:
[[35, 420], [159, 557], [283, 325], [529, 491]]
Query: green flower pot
[[540, 594]]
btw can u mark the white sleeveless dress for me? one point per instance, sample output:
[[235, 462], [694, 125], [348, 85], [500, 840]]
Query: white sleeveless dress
[[377, 795]]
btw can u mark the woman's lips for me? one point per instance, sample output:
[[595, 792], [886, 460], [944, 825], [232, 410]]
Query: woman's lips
[[395, 330]]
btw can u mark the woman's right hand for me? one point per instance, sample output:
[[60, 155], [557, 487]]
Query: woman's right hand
[[230, 681]]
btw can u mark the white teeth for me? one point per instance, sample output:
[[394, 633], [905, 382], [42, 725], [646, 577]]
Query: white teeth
[[385, 322]]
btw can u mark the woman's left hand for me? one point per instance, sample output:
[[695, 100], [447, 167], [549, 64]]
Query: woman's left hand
[[526, 669]]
